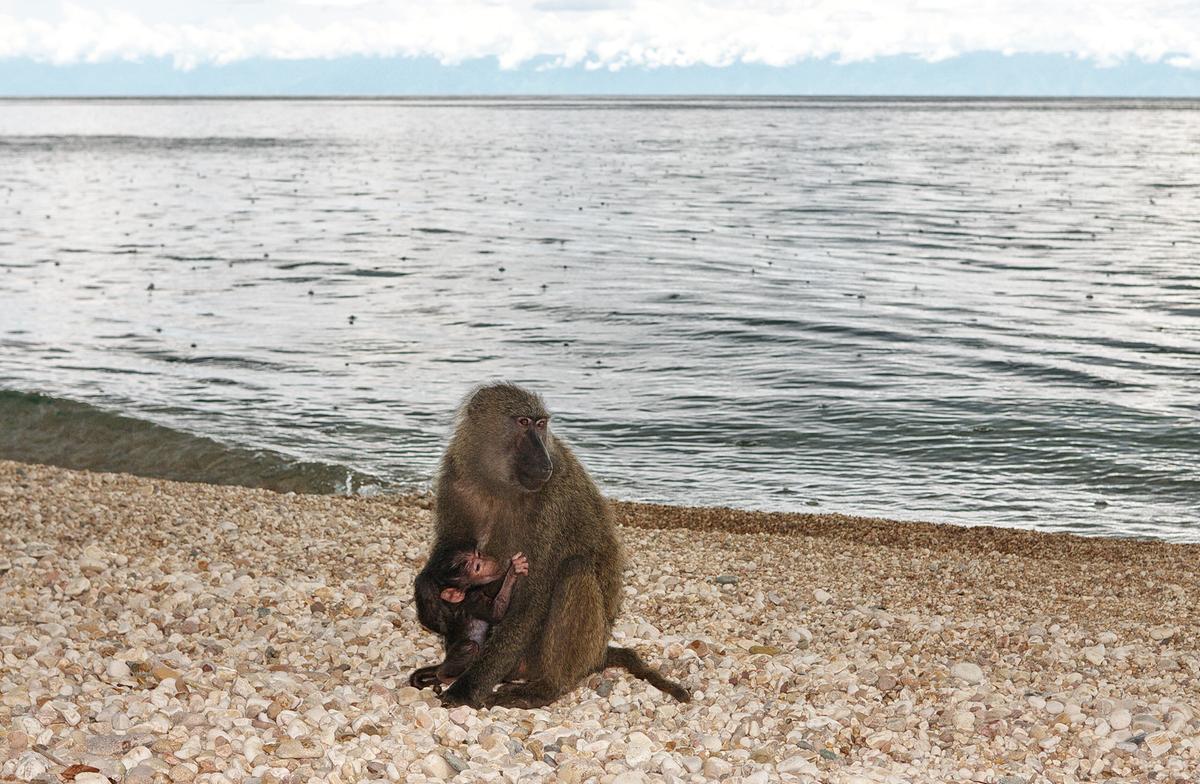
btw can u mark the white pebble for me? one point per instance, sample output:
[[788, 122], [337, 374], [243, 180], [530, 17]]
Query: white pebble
[[715, 768], [290, 748], [967, 671], [435, 766], [630, 777], [638, 749], [251, 748], [30, 766], [1159, 743], [797, 764], [90, 777], [77, 586]]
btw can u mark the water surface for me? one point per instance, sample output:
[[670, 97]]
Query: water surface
[[967, 311]]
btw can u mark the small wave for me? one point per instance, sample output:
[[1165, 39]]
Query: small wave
[[42, 429]]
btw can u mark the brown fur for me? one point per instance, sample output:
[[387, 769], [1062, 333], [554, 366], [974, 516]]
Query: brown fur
[[562, 613]]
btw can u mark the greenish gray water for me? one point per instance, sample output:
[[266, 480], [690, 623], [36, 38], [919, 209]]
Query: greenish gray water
[[40, 429], [970, 311]]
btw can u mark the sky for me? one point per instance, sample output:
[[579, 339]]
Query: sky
[[931, 47]]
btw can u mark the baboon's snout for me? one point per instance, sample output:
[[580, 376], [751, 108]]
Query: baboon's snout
[[534, 467]]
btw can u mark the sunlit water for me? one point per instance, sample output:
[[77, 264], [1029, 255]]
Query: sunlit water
[[978, 312]]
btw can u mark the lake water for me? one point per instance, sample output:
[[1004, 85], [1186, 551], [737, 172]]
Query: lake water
[[984, 312]]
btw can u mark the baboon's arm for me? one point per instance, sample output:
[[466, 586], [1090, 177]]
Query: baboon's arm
[[452, 524]]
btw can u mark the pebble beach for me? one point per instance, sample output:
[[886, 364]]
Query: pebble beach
[[155, 631]]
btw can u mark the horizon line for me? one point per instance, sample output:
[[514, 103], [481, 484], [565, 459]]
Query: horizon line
[[848, 97]]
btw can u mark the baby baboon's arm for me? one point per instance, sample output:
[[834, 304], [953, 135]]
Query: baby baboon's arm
[[518, 566]]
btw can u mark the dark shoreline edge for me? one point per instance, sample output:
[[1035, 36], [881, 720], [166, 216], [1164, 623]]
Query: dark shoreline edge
[[921, 538], [883, 532], [47, 430]]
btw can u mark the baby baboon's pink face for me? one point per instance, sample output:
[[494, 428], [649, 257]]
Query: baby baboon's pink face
[[478, 569]]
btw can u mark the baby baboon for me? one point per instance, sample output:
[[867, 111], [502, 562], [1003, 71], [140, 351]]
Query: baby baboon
[[508, 484], [460, 594]]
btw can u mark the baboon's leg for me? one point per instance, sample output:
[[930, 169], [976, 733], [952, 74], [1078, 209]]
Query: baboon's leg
[[572, 645], [534, 694], [459, 655], [424, 677]]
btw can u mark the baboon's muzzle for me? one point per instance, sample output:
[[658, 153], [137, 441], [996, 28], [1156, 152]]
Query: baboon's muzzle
[[534, 466]]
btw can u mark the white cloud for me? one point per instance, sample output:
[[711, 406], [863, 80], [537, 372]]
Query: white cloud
[[596, 33]]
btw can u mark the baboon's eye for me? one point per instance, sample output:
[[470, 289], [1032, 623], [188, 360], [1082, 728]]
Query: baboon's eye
[[523, 421], [541, 423]]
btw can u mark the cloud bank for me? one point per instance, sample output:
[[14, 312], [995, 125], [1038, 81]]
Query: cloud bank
[[597, 34]]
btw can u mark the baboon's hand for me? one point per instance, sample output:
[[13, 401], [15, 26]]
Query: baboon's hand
[[520, 563], [460, 694]]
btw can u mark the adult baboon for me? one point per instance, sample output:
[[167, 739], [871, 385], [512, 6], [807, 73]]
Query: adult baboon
[[509, 485]]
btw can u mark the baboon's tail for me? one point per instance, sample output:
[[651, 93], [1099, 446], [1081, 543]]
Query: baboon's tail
[[627, 659]]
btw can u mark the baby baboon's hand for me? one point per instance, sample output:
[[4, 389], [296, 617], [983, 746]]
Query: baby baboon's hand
[[520, 563]]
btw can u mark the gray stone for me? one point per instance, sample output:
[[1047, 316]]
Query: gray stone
[[1144, 722], [139, 774]]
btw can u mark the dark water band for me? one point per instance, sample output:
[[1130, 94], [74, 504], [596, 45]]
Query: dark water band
[[37, 428]]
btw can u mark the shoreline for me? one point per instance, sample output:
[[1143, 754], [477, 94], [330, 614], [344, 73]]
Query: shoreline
[[159, 631]]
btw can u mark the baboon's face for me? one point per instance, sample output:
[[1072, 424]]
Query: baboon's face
[[506, 434], [478, 569], [529, 437]]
